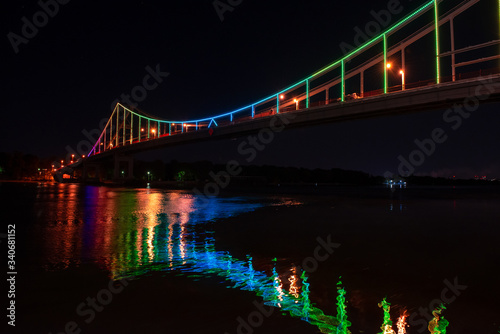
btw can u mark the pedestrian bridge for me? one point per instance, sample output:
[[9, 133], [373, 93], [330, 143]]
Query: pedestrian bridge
[[337, 92]]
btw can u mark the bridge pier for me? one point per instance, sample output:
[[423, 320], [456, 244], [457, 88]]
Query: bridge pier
[[92, 172], [124, 167]]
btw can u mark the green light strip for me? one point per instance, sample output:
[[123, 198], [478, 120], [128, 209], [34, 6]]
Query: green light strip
[[278, 104], [436, 20], [342, 83], [385, 64], [140, 133], [375, 39]]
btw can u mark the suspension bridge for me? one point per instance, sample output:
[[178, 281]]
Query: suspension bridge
[[336, 92]]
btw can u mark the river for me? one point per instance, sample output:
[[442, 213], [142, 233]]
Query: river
[[119, 260]]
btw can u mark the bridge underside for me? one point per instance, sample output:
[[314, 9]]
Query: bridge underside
[[434, 97]]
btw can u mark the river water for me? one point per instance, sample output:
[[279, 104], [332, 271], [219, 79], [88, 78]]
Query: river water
[[117, 260]]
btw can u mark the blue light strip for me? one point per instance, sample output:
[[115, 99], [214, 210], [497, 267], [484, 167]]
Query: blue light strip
[[278, 103]]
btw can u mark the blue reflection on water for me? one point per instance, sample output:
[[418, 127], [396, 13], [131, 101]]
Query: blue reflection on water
[[135, 232]]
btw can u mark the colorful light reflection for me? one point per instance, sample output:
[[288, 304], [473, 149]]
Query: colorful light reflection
[[132, 233]]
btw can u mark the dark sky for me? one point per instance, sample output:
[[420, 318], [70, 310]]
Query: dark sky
[[64, 79]]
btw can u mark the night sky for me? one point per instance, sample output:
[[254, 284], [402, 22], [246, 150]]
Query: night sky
[[64, 79]]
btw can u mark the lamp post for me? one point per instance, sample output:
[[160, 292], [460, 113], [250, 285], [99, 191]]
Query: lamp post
[[402, 79], [296, 104]]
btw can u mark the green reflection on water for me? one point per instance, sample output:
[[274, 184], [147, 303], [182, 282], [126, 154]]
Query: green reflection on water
[[194, 255]]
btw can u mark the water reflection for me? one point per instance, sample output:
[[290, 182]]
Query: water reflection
[[133, 232]]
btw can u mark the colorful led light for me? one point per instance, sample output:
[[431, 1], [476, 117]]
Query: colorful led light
[[436, 20], [342, 83], [387, 324], [340, 62]]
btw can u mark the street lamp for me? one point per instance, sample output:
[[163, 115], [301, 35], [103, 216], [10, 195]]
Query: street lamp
[[282, 97], [402, 79], [389, 65], [296, 104], [154, 132]]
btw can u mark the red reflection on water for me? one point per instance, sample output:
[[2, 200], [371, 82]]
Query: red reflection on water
[[62, 235]]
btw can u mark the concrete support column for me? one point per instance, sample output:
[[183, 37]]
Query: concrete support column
[[116, 168], [91, 172], [125, 163], [130, 174]]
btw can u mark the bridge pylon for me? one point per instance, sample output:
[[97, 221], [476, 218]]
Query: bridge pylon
[[92, 172]]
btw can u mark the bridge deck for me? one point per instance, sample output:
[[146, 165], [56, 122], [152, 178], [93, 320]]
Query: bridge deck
[[421, 99]]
